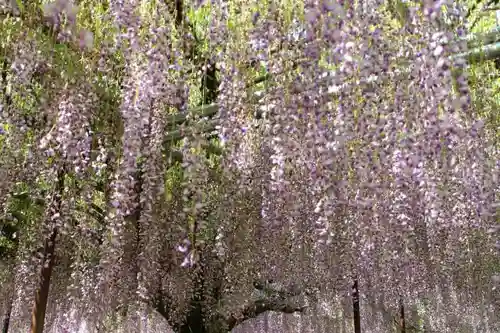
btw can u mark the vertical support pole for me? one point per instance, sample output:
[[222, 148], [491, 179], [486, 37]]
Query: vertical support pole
[[402, 322], [355, 307], [42, 293]]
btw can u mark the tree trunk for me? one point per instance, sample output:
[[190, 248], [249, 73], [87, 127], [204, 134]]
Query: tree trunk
[[42, 293], [194, 322], [202, 316]]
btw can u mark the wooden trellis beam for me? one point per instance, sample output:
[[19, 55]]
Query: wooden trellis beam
[[481, 39], [483, 47], [484, 53]]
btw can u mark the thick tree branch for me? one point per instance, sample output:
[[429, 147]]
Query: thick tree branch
[[272, 299]]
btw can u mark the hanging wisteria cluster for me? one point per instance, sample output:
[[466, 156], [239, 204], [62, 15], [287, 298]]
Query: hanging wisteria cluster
[[359, 160], [396, 174]]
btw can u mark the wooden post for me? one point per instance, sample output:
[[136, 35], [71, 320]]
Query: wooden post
[[402, 322], [355, 307], [42, 293]]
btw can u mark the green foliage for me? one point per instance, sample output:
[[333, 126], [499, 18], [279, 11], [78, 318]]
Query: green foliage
[[484, 83], [399, 10], [21, 214]]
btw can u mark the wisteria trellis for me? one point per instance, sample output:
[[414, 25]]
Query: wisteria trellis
[[390, 183]]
